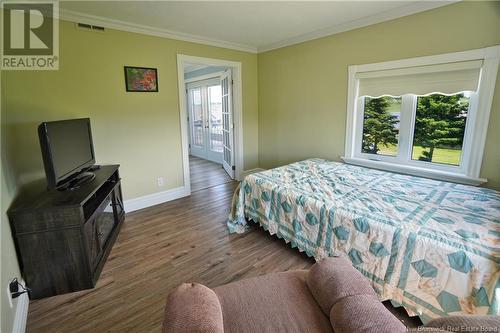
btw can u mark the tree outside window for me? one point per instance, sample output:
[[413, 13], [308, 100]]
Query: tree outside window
[[439, 127], [440, 124], [381, 126]]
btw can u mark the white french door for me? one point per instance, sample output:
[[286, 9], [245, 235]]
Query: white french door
[[226, 84], [205, 119]]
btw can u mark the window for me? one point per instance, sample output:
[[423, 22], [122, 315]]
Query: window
[[424, 116], [197, 117], [439, 129], [381, 125], [215, 112]]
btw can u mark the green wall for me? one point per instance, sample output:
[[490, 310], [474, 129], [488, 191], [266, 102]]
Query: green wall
[[141, 131], [303, 88], [9, 267]]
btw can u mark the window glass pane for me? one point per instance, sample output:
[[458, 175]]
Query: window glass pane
[[197, 117], [381, 125], [197, 110], [439, 128], [215, 108]]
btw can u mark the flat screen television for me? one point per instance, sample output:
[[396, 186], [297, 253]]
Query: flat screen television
[[67, 152]]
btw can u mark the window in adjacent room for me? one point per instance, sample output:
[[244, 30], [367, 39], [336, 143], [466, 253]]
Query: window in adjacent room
[[424, 116]]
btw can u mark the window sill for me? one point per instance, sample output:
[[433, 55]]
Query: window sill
[[415, 171]]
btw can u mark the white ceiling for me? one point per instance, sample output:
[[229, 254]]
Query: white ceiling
[[251, 26]]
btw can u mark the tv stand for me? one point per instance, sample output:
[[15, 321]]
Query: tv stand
[[63, 238], [76, 182]]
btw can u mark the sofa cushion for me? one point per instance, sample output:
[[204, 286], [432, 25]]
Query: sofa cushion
[[334, 278], [271, 303], [192, 307], [363, 314], [467, 323]]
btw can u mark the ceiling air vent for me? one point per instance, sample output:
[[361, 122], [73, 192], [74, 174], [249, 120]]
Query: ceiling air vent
[[89, 27]]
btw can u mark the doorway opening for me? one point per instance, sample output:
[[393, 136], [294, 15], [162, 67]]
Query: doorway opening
[[211, 105], [204, 99]]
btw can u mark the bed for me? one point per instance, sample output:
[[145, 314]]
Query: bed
[[429, 246]]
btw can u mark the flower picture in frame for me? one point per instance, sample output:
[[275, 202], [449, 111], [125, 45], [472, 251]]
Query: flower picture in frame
[[141, 79]]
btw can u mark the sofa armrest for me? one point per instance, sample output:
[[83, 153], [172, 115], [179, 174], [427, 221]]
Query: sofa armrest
[[192, 307], [467, 323], [363, 314], [334, 278], [347, 297]]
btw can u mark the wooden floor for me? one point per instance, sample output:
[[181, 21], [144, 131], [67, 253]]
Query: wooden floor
[[206, 174], [157, 249]]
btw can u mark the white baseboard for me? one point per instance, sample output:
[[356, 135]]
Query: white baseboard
[[21, 316], [250, 171], [155, 199]]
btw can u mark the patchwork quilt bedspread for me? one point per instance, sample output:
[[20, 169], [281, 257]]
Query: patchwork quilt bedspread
[[430, 246]]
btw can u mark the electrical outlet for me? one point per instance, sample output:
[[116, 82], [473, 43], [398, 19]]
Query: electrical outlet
[[9, 296], [160, 181]]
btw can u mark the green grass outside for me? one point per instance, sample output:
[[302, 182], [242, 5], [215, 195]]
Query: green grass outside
[[395, 106], [441, 155]]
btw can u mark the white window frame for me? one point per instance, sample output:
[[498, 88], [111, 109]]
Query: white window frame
[[475, 131]]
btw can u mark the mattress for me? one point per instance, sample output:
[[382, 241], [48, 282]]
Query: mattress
[[429, 246]]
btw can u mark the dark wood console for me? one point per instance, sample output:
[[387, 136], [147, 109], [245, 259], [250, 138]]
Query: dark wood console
[[63, 238]]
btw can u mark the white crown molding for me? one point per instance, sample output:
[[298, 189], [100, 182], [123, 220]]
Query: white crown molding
[[413, 8], [155, 198], [77, 17], [395, 13]]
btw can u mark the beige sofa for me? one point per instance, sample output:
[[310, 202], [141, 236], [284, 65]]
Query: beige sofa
[[331, 296]]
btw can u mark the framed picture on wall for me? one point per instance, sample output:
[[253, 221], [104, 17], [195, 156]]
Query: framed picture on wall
[[141, 79]]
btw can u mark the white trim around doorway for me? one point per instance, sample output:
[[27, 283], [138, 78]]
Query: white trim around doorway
[[203, 77], [237, 111]]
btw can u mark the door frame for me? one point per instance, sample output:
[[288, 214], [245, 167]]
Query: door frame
[[235, 66]]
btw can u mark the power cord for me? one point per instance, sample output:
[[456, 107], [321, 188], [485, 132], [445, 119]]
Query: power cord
[[14, 288]]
